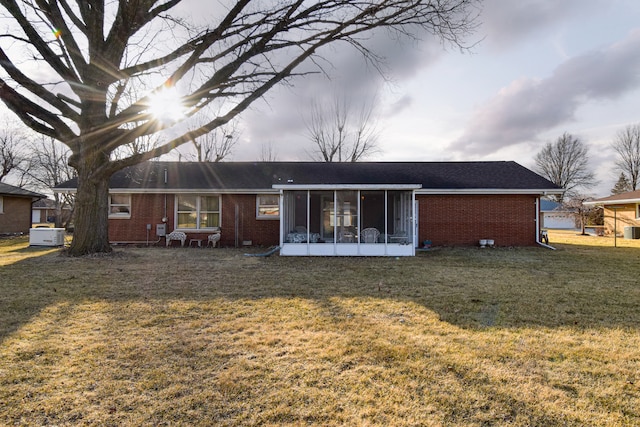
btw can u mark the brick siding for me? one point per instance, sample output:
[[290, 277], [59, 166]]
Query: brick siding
[[16, 215], [261, 232], [446, 220], [145, 209], [462, 220], [150, 209], [624, 216]]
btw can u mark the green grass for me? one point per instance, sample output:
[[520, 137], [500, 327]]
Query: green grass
[[471, 337]]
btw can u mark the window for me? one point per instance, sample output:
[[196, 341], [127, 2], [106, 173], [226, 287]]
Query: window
[[1, 205], [268, 206], [197, 212], [119, 206]]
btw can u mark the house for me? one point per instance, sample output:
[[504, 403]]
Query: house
[[621, 213], [15, 208], [45, 213], [555, 216], [314, 208]]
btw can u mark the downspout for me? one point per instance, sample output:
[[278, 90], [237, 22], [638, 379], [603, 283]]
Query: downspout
[[538, 226], [237, 224]]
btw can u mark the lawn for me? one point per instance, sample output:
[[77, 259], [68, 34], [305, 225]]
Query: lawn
[[464, 337]]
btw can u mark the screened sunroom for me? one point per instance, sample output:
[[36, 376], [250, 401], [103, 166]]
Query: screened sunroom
[[348, 221]]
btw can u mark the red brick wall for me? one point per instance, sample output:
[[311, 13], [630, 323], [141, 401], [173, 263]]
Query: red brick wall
[[446, 220], [462, 220], [145, 209], [261, 232], [150, 208], [16, 215]]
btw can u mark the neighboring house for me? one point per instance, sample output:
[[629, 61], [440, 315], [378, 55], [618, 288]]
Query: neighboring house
[[620, 211], [313, 208], [15, 208], [44, 212], [555, 216]]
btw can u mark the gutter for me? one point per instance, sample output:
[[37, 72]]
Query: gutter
[[611, 202], [484, 191]]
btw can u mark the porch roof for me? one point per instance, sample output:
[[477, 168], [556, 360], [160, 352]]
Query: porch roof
[[263, 176]]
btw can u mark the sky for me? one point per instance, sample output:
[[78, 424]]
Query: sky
[[535, 69]]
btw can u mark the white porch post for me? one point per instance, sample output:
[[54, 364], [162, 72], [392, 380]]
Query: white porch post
[[281, 202]]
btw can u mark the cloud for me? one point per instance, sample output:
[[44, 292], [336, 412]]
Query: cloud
[[398, 107], [506, 23], [280, 117], [528, 107]]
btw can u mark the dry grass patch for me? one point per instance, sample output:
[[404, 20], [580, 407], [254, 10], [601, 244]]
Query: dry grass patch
[[473, 337]]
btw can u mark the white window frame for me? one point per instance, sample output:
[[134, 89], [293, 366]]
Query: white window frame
[[637, 210], [260, 204], [120, 215], [198, 212]]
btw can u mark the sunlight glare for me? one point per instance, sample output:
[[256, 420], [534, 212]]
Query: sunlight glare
[[166, 105]]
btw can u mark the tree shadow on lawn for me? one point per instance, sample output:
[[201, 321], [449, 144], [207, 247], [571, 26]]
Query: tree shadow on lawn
[[235, 328], [469, 288]]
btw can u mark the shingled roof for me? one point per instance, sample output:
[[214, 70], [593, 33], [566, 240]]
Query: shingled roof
[[246, 176], [628, 197], [10, 190]]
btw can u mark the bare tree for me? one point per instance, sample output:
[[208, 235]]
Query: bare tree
[[142, 144], [48, 167], [12, 157], [341, 131], [66, 64], [627, 146], [138, 146], [216, 145], [566, 164], [268, 153], [583, 213]]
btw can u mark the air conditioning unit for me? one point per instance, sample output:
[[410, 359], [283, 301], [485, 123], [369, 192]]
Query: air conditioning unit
[[46, 237], [632, 232]]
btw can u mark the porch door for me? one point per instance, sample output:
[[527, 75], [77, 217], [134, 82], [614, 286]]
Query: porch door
[[328, 217]]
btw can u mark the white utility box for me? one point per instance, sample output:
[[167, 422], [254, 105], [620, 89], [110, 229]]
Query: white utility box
[[46, 237]]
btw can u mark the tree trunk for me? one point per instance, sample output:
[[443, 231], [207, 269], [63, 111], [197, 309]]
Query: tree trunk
[[91, 224]]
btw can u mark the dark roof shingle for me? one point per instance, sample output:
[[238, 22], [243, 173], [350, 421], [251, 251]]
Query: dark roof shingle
[[10, 190], [263, 175]]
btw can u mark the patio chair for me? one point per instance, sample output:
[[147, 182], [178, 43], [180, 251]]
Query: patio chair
[[346, 236], [213, 239], [370, 235], [399, 237], [176, 235]]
